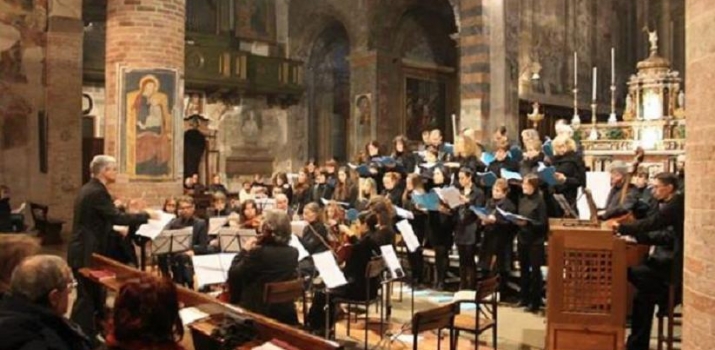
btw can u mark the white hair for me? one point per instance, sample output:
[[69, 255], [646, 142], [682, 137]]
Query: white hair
[[101, 162], [564, 129]]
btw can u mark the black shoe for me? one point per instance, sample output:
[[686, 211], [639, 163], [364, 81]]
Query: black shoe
[[534, 309]]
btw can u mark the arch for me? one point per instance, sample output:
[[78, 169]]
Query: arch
[[312, 20]]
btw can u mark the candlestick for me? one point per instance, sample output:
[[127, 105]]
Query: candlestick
[[576, 120], [594, 132], [595, 78], [613, 66]]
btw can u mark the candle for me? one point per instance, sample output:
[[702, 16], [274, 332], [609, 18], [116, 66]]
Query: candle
[[595, 78], [575, 69], [613, 66]]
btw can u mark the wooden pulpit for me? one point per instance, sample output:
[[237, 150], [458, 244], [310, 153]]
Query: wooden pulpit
[[587, 288]]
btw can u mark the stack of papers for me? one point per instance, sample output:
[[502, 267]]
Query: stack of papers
[[393, 264], [190, 315], [154, 227], [295, 243], [212, 268], [408, 235], [450, 195], [329, 270]]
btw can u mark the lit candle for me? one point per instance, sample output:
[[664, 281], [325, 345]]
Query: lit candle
[[575, 69], [595, 78], [613, 66]]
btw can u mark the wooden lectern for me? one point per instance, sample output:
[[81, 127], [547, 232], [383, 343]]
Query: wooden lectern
[[587, 287]]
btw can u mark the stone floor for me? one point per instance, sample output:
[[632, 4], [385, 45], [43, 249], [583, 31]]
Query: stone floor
[[517, 329]]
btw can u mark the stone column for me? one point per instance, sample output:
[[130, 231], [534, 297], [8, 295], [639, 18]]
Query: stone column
[[474, 69], [699, 274], [63, 101], [145, 37]]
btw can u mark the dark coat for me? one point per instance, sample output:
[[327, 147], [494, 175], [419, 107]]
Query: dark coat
[[533, 207], [573, 168], [199, 233], [615, 207], [363, 250], [406, 160], [300, 199], [94, 216], [671, 214], [252, 270], [314, 238], [321, 191], [467, 223], [441, 229], [5, 214], [25, 326]]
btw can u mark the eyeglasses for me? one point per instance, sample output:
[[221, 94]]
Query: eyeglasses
[[71, 285]]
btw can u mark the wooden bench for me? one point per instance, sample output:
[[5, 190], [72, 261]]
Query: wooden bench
[[48, 229]]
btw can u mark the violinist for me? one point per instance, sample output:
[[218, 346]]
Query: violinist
[[315, 237], [249, 214], [366, 244], [266, 259], [623, 195], [338, 240]]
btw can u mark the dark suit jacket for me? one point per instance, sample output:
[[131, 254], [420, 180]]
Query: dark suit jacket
[[614, 206], [199, 233], [252, 270], [94, 216]]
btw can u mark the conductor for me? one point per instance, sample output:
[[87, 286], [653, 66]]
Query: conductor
[[94, 216]]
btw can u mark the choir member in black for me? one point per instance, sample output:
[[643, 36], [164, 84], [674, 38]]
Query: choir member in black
[[192, 185], [216, 185], [346, 190], [533, 153], [431, 159], [182, 267], [623, 196], [441, 225], [501, 159], [405, 159], [280, 180], [664, 229], [301, 191], [531, 237], [315, 237], [414, 185], [372, 151], [570, 169], [467, 155], [321, 189], [331, 172], [218, 207], [249, 215], [498, 232], [425, 140], [465, 231], [392, 188], [368, 190], [266, 259], [435, 139], [366, 244]]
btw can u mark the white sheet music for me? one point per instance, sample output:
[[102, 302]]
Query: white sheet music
[[326, 202], [408, 234], [403, 213], [212, 268], [190, 315], [295, 243], [450, 195], [215, 224], [599, 182], [297, 227], [328, 269], [154, 227], [393, 264]]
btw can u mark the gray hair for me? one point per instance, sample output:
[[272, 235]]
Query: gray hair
[[101, 162], [619, 166], [38, 275], [279, 223]]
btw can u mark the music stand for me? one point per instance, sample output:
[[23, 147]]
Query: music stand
[[228, 240], [244, 235], [395, 272], [332, 277], [181, 240], [171, 241], [564, 204]]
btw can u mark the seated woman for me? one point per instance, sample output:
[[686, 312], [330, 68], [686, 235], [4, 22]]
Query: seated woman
[[264, 260], [218, 205], [366, 244], [249, 214], [146, 316], [315, 237]]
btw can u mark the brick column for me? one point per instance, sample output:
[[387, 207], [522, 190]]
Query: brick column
[[145, 35], [63, 100], [474, 69], [699, 284]]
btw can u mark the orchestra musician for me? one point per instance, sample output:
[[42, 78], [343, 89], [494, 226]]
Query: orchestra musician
[[623, 195], [280, 181], [315, 237], [663, 228], [181, 264], [249, 214], [219, 206], [465, 232], [321, 189], [266, 259], [531, 237]]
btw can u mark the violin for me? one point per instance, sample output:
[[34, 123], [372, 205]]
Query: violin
[[253, 223]]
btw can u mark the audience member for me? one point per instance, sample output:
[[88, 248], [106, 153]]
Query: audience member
[[13, 249], [11, 220]]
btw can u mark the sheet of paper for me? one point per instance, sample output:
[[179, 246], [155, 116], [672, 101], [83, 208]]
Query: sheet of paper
[[599, 182], [487, 158], [267, 346], [510, 175], [295, 243], [212, 268], [190, 315], [328, 269], [393, 264], [215, 224], [297, 227], [450, 195], [408, 234], [403, 213], [154, 227]]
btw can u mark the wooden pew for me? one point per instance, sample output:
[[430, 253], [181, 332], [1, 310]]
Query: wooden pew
[[201, 330], [48, 229]]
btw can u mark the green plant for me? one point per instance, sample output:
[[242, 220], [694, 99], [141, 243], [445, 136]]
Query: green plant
[[615, 134]]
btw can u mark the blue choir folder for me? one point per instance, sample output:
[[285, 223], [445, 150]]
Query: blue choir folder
[[516, 154], [487, 158], [511, 217], [429, 200], [481, 212], [488, 178], [547, 174], [510, 175], [548, 149]]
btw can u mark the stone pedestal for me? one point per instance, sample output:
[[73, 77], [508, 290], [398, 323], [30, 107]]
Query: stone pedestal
[[144, 88]]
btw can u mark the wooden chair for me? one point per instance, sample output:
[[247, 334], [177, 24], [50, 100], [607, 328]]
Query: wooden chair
[[285, 292], [666, 315], [48, 229], [437, 318], [485, 312], [374, 269]]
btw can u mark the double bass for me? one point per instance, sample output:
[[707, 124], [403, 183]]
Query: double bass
[[628, 217]]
